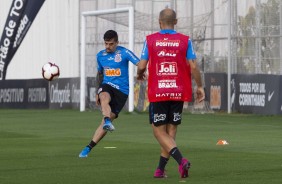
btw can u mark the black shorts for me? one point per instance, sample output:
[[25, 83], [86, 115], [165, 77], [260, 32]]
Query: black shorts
[[118, 98], [166, 112]]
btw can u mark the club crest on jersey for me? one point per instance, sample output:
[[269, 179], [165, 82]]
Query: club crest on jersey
[[118, 58], [167, 68]]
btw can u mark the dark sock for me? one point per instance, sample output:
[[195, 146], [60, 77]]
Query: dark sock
[[162, 163], [175, 153], [91, 144]]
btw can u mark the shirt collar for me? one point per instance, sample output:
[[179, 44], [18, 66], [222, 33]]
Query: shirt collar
[[167, 31]]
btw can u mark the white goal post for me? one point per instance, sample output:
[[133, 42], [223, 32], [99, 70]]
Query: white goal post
[[130, 11]]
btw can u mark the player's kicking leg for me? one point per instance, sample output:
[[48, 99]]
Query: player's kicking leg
[[98, 135]]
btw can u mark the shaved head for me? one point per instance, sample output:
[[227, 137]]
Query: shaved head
[[167, 16]]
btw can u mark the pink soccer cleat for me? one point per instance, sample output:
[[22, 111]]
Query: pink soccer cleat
[[160, 174], [183, 168]]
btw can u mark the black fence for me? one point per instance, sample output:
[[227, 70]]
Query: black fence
[[258, 93], [39, 93]]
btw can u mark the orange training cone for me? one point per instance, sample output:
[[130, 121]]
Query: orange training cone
[[222, 142]]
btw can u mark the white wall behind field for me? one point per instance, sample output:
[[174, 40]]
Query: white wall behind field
[[53, 36]]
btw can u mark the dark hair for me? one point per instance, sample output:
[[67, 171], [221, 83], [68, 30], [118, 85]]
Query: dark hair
[[111, 34]]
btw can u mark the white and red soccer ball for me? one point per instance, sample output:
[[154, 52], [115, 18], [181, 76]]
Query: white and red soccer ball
[[50, 71]]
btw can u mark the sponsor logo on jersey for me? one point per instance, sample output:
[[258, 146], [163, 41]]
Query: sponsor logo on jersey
[[112, 72], [171, 95], [167, 53], [113, 85], [159, 117], [167, 43], [118, 58], [167, 68], [167, 84]]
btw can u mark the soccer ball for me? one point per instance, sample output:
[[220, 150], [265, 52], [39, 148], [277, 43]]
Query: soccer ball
[[50, 71]]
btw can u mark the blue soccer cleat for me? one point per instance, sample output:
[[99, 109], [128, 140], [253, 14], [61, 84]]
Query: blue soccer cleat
[[84, 152], [108, 126]]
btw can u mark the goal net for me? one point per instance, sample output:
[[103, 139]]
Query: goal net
[[92, 29], [229, 36], [132, 27]]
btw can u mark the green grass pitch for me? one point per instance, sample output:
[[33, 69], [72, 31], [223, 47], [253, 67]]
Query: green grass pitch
[[42, 147]]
